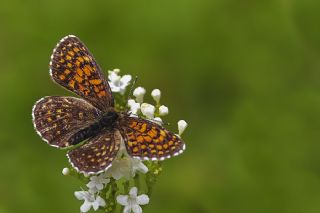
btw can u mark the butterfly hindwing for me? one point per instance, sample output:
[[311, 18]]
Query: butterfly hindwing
[[145, 140], [73, 67], [97, 154], [66, 121], [57, 118]]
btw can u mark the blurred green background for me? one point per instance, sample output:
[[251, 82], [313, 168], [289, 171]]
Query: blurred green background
[[245, 75]]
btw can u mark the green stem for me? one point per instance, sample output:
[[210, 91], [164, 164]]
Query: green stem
[[126, 186], [111, 200], [137, 180], [151, 177]]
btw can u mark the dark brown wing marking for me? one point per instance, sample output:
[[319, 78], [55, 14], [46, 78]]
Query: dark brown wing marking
[[97, 154], [73, 67], [56, 118], [147, 140]]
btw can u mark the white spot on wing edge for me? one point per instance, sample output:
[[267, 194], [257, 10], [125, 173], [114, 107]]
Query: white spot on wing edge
[[163, 157], [87, 173], [34, 123]]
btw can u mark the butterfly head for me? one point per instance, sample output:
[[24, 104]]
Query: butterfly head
[[109, 118]]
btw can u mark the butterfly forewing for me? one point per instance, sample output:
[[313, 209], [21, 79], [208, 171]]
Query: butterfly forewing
[[73, 67], [147, 140], [56, 118], [63, 121], [97, 154]]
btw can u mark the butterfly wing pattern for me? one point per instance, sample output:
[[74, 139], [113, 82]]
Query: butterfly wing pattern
[[97, 154], [58, 120], [73, 67], [148, 140]]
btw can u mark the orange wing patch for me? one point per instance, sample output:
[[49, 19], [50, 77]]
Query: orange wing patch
[[148, 140], [73, 67]]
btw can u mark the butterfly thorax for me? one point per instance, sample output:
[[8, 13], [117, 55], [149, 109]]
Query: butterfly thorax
[[106, 121]]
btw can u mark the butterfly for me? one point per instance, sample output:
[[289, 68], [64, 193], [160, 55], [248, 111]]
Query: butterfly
[[89, 126]]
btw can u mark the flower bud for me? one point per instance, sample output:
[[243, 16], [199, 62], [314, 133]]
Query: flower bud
[[163, 110], [182, 125], [66, 171], [156, 94], [148, 110], [139, 93]]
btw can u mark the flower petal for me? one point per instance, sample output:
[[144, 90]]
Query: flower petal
[[99, 186], [127, 209], [85, 206], [80, 195], [114, 88], [134, 107], [133, 192], [125, 79], [136, 209], [98, 202], [101, 201], [120, 168], [106, 181], [114, 77], [137, 165], [91, 184], [93, 190], [143, 199], [123, 200], [95, 205]]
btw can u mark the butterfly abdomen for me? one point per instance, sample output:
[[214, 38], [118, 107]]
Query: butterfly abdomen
[[106, 121]]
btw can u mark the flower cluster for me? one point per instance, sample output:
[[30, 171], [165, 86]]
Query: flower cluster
[[125, 175]]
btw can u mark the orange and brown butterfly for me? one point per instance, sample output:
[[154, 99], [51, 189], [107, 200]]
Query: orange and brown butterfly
[[64, 122]]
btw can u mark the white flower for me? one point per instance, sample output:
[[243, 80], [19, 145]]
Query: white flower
[[139, 93], [97, 183], [120, 168], [118, 83], [66, 171], [137, 166], [158, 120], [163, 110], [182, 125], [156, 94], [126, 167], [132, 202], [134, 106], [148, 110], [90, 200]]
